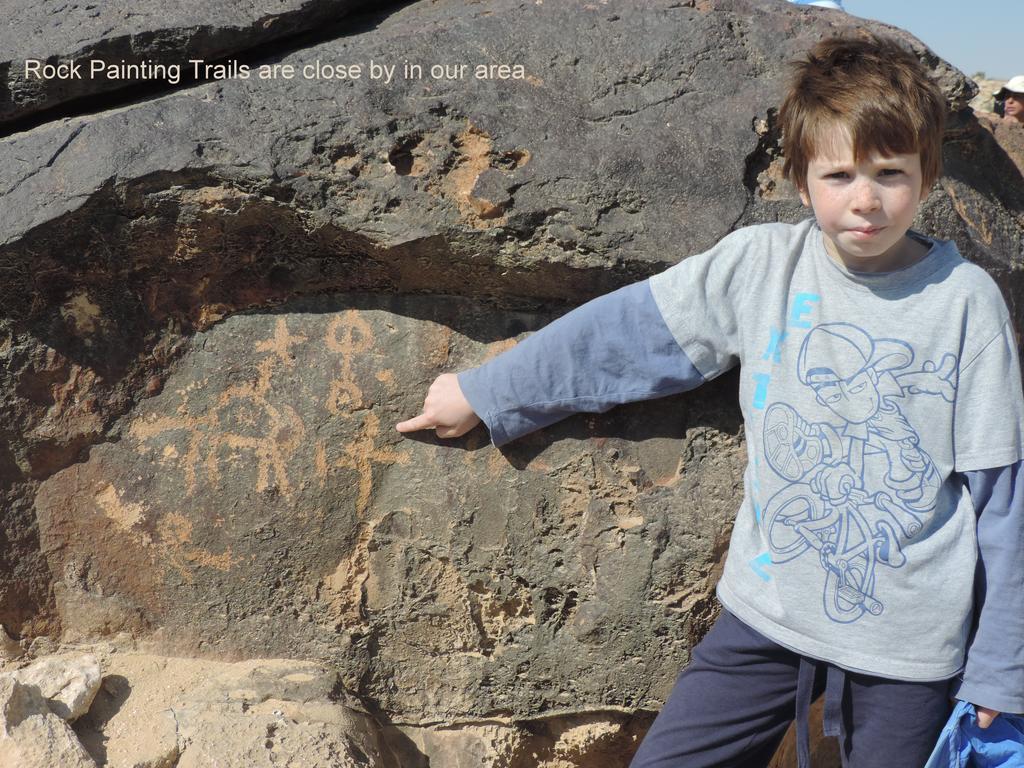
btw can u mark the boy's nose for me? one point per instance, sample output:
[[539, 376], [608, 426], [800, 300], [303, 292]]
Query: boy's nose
[[865, 197]]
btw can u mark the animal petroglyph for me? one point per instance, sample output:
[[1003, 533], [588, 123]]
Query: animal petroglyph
[[173, 544], [176, 536]]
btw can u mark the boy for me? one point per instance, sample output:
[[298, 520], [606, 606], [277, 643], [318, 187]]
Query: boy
[[884, 423]]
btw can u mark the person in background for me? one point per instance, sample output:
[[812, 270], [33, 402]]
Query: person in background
[[1012, 97]]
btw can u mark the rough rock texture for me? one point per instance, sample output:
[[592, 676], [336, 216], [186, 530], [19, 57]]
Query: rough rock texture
[[31, 736], [158, 711], [1009, 134], [164, 712], [138, 40], [985, 100], [217, 301], [261, 503], [9, 647], [68, 683]]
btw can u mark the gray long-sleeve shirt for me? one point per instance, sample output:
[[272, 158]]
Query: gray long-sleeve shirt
[[876, 476]]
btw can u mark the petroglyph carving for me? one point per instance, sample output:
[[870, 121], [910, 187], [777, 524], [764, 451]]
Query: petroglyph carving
[[362, 454], [276, 431], [349, 335], [176, 538], [347, 581], [174, 542], [125, 515], [280, 343]]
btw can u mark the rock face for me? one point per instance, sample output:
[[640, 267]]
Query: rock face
[[261, 503], [9, 648], [217, 301], [1009, 135], [97, 48]]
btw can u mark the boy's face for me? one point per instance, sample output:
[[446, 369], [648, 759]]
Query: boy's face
[[864, 209]]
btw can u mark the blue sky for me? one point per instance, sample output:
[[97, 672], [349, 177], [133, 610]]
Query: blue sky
[[972, 35]]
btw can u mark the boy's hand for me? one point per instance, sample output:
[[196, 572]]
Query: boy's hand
[[445, 410], [985, 716]]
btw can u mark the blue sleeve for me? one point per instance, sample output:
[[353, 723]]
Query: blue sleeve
[[994, 673], [611, 350]]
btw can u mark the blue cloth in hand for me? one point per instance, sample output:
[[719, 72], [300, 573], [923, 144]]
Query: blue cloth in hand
[[964, 743]]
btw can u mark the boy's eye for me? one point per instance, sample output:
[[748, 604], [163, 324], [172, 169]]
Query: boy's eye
[[838, 175], [891, 172]]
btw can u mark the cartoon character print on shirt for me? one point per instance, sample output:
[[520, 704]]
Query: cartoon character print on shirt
[[862, 485]]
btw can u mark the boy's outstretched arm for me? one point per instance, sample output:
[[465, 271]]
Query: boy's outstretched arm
[[993, 678], [614, 349]]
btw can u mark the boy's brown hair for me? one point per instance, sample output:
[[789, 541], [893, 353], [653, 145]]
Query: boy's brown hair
[[874, 89]]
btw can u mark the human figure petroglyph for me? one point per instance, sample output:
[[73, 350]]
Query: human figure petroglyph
[[346, 583], [280, 343], [247, 418], [349, 335], [282, 428], [362, 453]]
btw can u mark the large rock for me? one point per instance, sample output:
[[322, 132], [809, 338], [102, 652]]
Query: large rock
[[161, 712], [1009, 135], [31, 736], [262, 503], [68, 683], [217, 303]]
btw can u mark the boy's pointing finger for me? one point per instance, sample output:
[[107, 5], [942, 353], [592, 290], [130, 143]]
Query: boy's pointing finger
[[417, 422]]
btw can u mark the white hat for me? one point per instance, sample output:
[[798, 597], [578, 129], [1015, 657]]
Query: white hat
[[1013, 85], [836, 5]]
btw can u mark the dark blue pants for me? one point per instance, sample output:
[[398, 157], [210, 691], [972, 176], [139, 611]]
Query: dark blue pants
[[732, 704]]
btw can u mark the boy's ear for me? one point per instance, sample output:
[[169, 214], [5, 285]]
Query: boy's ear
[[804, 197]]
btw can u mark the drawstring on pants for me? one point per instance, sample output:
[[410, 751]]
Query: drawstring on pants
[[832, 724]]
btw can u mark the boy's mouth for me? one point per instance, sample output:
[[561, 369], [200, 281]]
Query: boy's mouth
[[865, 231]]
